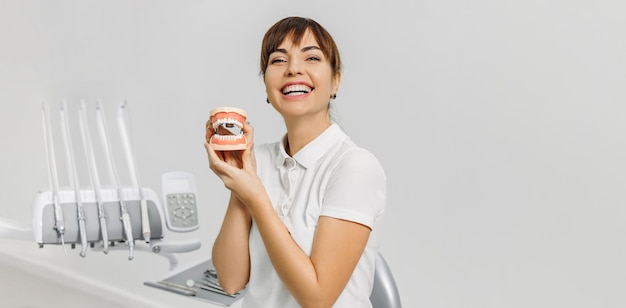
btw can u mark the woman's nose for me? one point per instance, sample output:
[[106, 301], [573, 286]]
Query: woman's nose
[[294, 68]]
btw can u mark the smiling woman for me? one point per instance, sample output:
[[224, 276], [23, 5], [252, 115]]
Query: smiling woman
[[301, 227]]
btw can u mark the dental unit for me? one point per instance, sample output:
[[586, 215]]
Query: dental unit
[[112, 217], [88, 215]]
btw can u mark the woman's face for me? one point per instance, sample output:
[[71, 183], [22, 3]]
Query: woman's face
[[299, 79]]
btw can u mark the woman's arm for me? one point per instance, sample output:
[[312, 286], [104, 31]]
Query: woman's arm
[[318, 280], [231, 256]]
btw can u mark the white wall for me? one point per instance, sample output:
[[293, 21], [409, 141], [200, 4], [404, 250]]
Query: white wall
[[500, 125]]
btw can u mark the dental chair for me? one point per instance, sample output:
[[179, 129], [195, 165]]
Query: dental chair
[[385, 291]]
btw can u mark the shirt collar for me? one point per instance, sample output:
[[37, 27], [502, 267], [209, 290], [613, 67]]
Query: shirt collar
[[314, 150]]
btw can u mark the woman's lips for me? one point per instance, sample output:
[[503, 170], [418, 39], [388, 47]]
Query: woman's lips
[[296, 89]]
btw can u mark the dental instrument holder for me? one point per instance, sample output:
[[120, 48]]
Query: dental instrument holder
[[45, 234], [178, 284], [43, 219]]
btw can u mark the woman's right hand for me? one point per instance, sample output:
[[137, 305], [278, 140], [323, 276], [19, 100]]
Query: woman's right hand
[[236, 169]]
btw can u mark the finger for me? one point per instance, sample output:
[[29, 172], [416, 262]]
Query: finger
[[208, 131], [212, 155], [248, 162], [248, 132], [221, 162]]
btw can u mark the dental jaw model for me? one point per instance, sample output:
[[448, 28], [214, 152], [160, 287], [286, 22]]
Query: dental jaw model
[[227, 126]]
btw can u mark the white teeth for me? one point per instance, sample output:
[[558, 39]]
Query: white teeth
[[296, 89], [228, 137], [223, 121]]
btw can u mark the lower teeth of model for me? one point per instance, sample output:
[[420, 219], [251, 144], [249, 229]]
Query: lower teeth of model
[[229, 137]]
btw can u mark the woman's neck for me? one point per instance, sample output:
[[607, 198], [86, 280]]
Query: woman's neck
[[300, 133]]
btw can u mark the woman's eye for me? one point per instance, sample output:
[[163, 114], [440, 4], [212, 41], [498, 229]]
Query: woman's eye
[[277, 60], [314, 58]]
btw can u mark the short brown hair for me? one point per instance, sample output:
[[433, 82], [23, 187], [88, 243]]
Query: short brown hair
[[295, 27]]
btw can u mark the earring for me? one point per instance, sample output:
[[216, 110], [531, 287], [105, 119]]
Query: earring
[[333, 96], [267, 100]]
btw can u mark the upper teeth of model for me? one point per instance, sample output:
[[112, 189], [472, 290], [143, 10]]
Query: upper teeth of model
[[227, 122], [296, 89]]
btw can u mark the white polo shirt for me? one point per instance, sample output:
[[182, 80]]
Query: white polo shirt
[[330, 176]]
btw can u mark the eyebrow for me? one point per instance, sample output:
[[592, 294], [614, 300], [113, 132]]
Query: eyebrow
[[304, 49]]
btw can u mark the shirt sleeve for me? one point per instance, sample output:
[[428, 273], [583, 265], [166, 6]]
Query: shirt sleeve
[[356, 190]]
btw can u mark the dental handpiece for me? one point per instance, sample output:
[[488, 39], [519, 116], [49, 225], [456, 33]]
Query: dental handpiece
[[73, 176], [102, 128], [92, 168], [145, 218], [59, 225]]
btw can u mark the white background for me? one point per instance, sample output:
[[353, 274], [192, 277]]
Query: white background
[[500, 124]]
